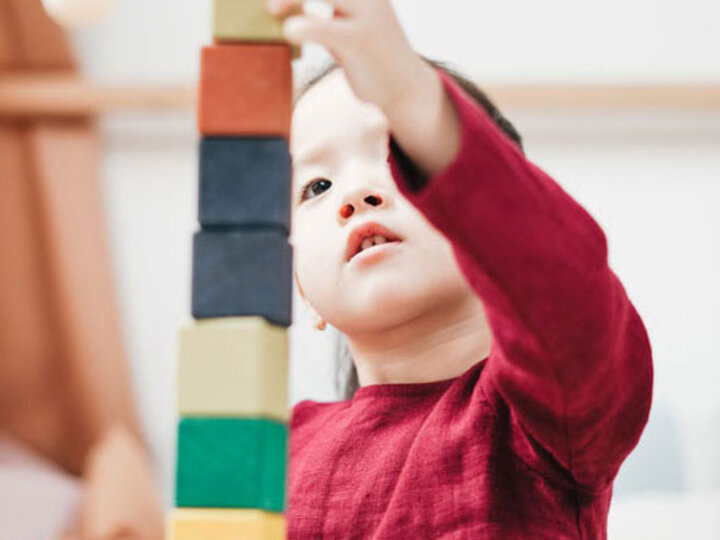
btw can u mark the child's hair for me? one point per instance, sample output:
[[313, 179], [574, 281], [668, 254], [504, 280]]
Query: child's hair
[[346, 377]]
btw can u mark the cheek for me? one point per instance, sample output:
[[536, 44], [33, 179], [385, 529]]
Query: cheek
[[440, 265], [314, 261]]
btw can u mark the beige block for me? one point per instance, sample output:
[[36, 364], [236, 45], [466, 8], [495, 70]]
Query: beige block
[[234, 366], [225, 524], [248, 20]]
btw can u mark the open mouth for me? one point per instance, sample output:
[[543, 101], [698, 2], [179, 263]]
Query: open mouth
[[373, 243], [369, 237]]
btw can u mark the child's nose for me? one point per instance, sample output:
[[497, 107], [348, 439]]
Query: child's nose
[[360, 200]]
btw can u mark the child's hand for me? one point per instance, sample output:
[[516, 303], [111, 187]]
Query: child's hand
[[366, 39]]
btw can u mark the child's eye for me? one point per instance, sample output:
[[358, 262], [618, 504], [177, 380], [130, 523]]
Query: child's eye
[[314, 187]]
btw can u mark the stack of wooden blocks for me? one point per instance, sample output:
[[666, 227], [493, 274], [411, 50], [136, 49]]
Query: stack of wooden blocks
[[233, 360]]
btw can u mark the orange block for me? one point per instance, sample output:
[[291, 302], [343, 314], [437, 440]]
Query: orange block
[[296, 50], [245, 90]]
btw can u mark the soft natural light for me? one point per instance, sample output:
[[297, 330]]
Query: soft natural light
[[77, 12]]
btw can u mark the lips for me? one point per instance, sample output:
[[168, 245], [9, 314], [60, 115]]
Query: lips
[[367, 231]]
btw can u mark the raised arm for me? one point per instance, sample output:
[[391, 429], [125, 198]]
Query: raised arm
[[570, 354]]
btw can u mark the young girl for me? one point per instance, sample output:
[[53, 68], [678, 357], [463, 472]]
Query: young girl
[[504, 373]]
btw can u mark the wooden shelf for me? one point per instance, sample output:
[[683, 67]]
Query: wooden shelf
[[65, 95], [680, 97]]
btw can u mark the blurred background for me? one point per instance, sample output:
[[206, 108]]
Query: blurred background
[[618, 100]]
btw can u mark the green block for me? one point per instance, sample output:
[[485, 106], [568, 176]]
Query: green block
[[231, 463]]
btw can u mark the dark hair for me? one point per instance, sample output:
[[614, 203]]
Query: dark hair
[[346, 375]]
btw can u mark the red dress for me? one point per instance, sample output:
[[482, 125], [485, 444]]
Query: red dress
[[526, 443]]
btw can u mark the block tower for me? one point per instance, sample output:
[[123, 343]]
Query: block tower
[[233, 358]]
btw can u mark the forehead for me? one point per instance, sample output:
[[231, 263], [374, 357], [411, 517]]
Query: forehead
[[330, 119]]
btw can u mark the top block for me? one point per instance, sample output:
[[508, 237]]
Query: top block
[[245, 90], [248, 20]]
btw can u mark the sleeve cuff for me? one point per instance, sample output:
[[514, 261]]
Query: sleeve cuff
[[411, 181], [404, 169]]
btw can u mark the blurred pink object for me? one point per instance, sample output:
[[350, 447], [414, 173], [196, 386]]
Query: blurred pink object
[[38, 500]]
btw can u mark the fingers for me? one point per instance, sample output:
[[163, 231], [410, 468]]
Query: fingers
[[281, 8], [328, 33]]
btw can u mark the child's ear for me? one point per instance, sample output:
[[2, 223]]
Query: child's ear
[[320, 323], [299, 287]]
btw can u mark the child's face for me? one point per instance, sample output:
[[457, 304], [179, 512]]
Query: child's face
[[341, 144]]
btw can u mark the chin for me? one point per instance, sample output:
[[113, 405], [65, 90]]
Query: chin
[[384, 306]]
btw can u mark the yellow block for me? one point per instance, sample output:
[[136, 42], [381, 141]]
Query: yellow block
[[222, 524], [248, 20], [233, 366]]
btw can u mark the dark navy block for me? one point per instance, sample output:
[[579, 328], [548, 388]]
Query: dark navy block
[[244, 182], [242, 272]]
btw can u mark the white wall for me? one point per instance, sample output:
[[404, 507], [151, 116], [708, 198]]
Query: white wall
[[651, 180], [509, 41]]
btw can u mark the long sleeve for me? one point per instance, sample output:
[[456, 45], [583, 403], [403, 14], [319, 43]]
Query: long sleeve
[[570, 355]]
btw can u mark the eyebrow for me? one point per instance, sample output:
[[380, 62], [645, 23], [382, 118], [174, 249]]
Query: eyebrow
[[312, 154]]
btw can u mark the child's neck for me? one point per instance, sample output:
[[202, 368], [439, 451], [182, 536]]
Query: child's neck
[[441, 344]]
